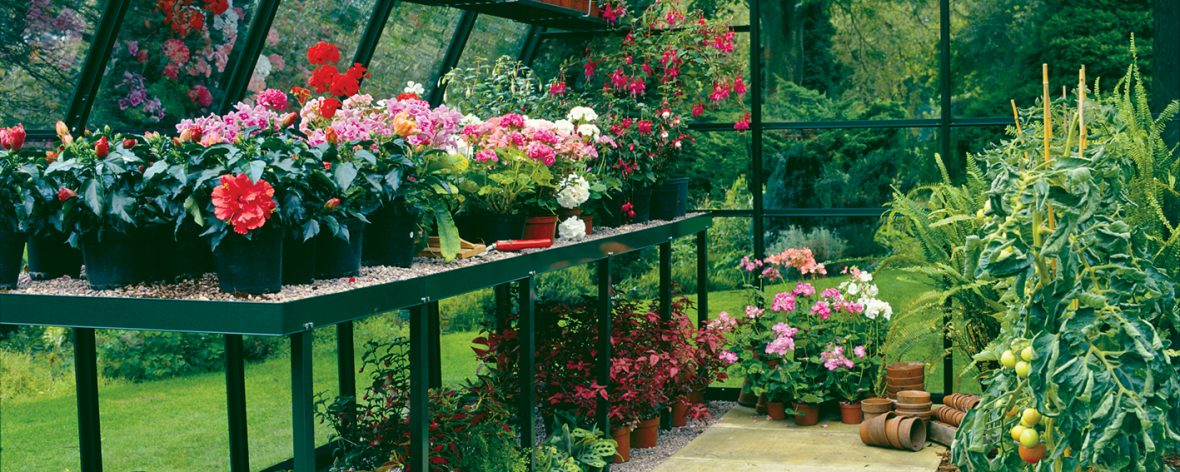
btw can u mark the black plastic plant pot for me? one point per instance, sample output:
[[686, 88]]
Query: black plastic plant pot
[[502, 228], [670, 200], [50, 257], [299, 261], [338, 257], [112, 260], [389, 240], [250, 266], [641, 205], [157, 256], [191, 256], [12, 253]]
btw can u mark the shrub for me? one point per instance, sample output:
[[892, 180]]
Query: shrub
[[823, 242], [148, 355]]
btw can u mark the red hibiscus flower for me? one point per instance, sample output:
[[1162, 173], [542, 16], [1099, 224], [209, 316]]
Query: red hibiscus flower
[[244, 204], [322, 53], [64, 194], [102, 147]]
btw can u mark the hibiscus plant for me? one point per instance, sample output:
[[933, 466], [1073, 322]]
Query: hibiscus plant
[[16, 196]]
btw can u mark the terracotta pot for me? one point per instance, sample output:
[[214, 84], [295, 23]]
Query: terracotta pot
[[646, 434], [806, 414], [870, 416], [912, 434], [680, 413], [912, 397], [876, 405], [697, 397], [906, 380], [540, 227], [760, 407], [622, 436], [914, 408], [776, 410], [850, 413], [905, 369], [891, 432], [876, 430]]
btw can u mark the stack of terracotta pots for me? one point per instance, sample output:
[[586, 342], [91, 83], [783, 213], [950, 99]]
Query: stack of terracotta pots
[[914, 403], [874, 407], [955, 408], [892, 431], [902, 376]]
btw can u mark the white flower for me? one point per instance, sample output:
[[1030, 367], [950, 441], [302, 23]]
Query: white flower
[[564, 126], [572, 229], [871, 290], [853, 289], [865, 276], [589, 130], [663, 135], [874, 308], [414, 88], [460, 147], [573, 191], [263, 67], [358, 101], [538, 124], [665, 115], [470, 119], [582, 114]]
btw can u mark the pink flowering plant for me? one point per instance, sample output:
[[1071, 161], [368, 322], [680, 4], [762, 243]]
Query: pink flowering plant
[[512, 163], [808, 344]]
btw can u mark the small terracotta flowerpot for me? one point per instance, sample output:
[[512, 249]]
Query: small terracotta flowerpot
[[876, 405], [905, 369], [850, 413], [776, 410], [912, 434], [892, 426], [680, 413], [806, 414], [622, 437], [646, 434], [913, 397], [906, 380], [540, 227], [876, 430]]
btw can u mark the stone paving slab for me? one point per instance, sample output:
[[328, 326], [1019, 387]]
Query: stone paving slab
[[743, 442]]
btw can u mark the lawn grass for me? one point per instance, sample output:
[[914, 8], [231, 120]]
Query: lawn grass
[[180, 423]]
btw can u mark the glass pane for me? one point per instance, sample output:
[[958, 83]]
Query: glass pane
[[845, 168], [168, 62], [718, 166], [851, 60], [300, 24], [491, 38], [411, 48], [42, 46], [994, 60]]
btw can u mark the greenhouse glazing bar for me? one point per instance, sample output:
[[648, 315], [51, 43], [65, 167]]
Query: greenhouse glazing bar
[[297, 319]]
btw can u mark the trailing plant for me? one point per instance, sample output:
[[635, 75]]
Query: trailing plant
[[573, 449]]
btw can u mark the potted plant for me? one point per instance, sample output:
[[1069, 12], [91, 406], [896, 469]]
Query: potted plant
[[508, 171], [109, 208], [16, 201], [699, 361], [247, 252]]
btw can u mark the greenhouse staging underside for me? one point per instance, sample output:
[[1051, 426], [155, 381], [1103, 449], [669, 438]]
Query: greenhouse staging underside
[[589, 235]]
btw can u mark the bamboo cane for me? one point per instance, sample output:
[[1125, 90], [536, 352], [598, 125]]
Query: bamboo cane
[[1082, 110], [1048, 128]]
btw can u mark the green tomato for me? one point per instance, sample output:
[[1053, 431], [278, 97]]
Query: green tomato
[[1008, 359], [1023, 369], [1029, 437], [1030, 417], [1027, 354], [1017, 431]]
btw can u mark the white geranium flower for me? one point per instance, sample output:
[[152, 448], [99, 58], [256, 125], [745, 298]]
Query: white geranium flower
[[572, 229], [263, 67], [582, 114], [853, 289], [871, 291], [564, 126], [865, 276], [538, 124], [470, 119], [573, 191], [414, 88], [589, 130]]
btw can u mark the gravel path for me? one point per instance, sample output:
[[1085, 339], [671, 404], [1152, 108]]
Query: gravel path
[[205, 287], [643, 460]]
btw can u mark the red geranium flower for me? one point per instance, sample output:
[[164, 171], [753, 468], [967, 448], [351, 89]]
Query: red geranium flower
[[323, 78], [322, 53], [328, 107], [217, 7], [244, 204]]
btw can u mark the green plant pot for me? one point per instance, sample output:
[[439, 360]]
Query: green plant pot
[[389, 239], [50, 257], [299, 259], [12, 251], [337, 257], [250, 266]]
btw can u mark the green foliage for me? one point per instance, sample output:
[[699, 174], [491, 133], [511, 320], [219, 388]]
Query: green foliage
[[149, 355], [826, 244], [1098, 312], [574, 450], [924, 231]]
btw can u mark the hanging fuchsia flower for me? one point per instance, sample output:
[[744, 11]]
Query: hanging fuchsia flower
[[743, 124], [698, 110], [720, 92], [739, 86], [558, 88]]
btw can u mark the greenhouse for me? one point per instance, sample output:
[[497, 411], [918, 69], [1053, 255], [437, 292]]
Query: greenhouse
[[589, 235]]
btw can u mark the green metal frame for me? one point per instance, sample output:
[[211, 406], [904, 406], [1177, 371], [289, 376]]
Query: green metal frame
[[454, 52], [296, 320], [97, 57], [233, 84]]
